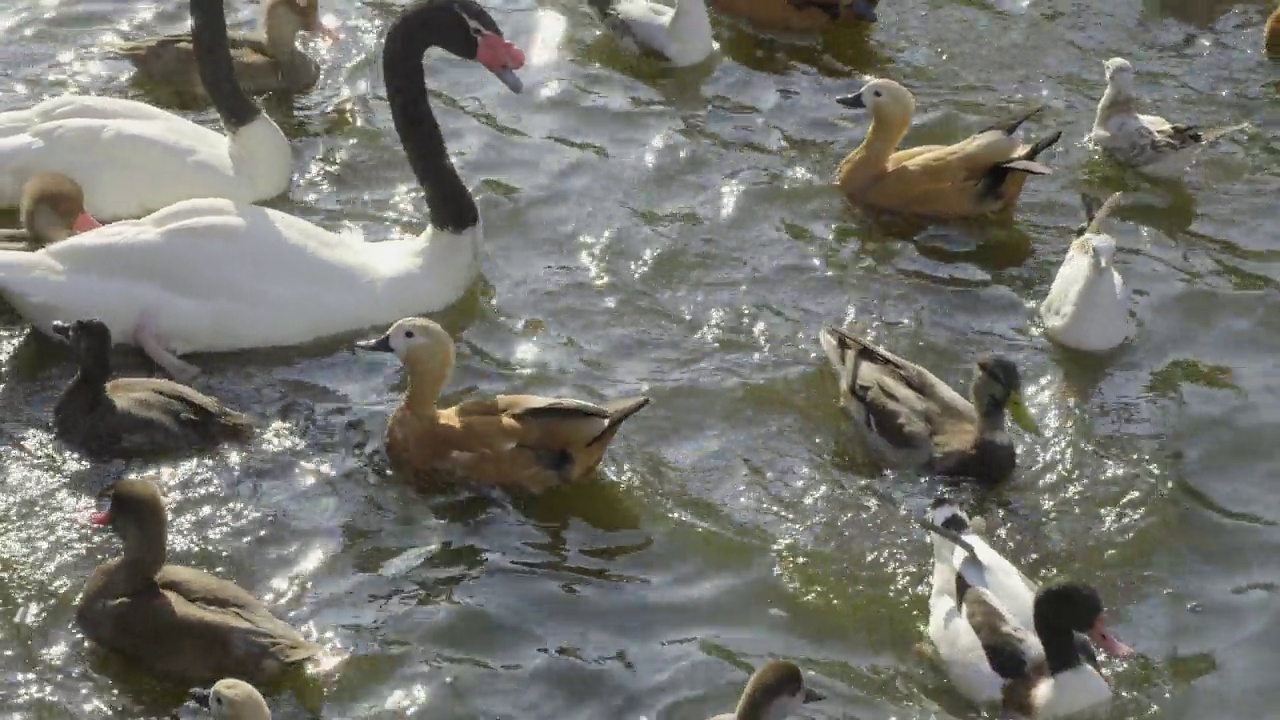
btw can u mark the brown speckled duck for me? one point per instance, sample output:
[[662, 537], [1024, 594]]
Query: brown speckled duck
[[51, 210], [798, 15], [518, 442], [775, 692], [271, 63], [231, 699], [981, 174], [133, 417], [178, 622]]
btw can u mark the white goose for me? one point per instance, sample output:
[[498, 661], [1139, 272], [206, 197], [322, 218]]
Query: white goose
[[213, 275], [1087, 307], [980, 617], [132, 158], [682, 36]]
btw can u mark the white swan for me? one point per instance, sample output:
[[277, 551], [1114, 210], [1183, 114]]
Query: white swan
[[980, 617], [682, 36], [132, 158], [1087, 307], [213, 275]]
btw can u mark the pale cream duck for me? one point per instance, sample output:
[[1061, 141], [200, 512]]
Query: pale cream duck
[[775, 692], [523, 443], [913, 419], [271, 62], [51, 210], [979, 175], [1087, 307], [232, 699], [176, 622]]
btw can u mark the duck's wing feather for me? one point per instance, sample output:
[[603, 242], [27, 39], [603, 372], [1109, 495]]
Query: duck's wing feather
[[1012, 651]]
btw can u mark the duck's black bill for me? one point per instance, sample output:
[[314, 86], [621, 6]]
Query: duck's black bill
[[852, 101], [61, 329], [200, 696], [382, 344], [812, 696]]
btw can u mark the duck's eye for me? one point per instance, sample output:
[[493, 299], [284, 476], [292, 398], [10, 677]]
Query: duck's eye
[[875, 93], [408, 334], [217, 700]]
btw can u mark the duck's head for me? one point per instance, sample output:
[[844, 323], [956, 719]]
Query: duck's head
[[232, 699], [136, 512], [886, 100], [998, 386], [1076, 606], [1119, 74], [465, 29], [52, 208], [90, 340], [287, 18], [774, 692], [416, 341]]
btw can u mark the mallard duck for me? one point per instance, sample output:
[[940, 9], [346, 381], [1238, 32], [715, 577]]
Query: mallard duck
[[914, 419], [681, 36], [981, 174], [520, 442], [178, 622], [775, 692], [231, 699], [1087, 307], [134, 417], [51, 210], [1271, 39], [268, 63], [1140, 140], [798, 15], [981, 615]]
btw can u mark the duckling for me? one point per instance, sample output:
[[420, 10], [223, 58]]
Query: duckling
[[1087, 307], [774, 692], [178, 622], [520, 442], [1140, 140], [51, 210], [232, 699], [798, 15], [1271, 39], [271, 63], [982, 174], [681, 36], [134, 417], [914, 419]]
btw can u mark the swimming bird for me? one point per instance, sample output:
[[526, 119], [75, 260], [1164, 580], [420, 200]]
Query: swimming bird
[[213, 275], [520, 442], [1087, 307], [1138, 140], [132, 158], [911, 418], [177, 622], [1001, 638], [231, 699], [775, 691], [51, 210], [798, 15], [271, 62], [134, 417], [681, 36], [982, 174]]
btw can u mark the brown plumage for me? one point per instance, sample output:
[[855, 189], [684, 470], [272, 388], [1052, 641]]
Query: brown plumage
[[774, 691], [519, 442], [798, 15], [1271, 38], [134, 417], [981, 174], [271, 62], [51, 210], [178, 622]]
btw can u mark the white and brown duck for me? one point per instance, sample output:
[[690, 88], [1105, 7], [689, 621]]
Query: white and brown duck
[[775, 692], [178, 622], [232, 699], [270, 62], [51, 210], [134, 417]]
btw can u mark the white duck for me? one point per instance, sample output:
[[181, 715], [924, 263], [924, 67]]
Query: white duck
[[213, 275], [980, 617], [682, 36], [132, 158], [1140, 140], [1087, 307], [232, 699]]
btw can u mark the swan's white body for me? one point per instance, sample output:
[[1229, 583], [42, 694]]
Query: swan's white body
[[682, 34], [132, 158], [1006, 588], [212, 275], [1087, 307]]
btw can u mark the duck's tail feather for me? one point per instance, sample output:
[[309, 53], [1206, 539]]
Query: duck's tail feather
[[619, 411], [1010, 127], [1208, 136], [1025, 162]]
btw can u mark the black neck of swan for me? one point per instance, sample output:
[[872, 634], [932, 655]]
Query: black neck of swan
[[217, 71], [449, 204]]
